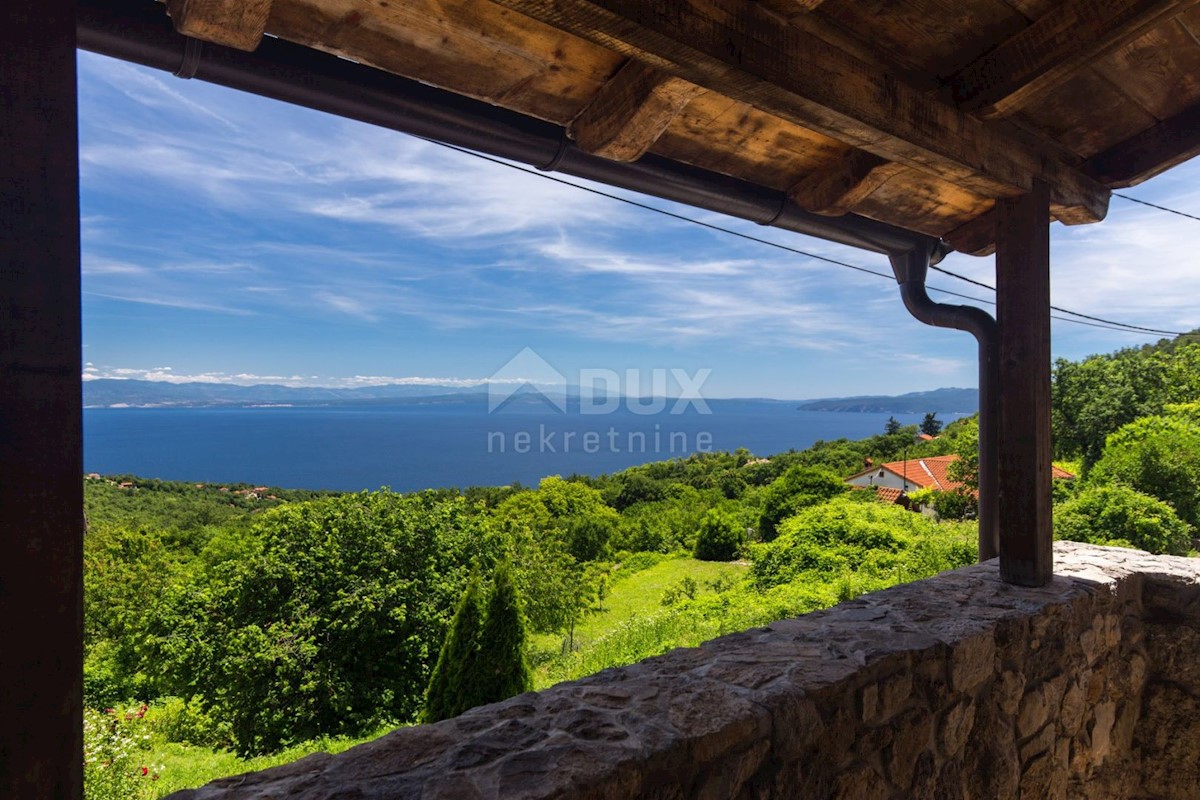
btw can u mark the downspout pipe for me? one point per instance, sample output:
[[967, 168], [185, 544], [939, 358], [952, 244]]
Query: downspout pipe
[[139, 31], [911, 269]]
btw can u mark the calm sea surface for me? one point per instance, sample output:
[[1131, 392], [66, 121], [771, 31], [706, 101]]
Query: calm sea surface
[[416, 446]]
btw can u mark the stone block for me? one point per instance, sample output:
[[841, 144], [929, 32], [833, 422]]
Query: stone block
[[973, 662]]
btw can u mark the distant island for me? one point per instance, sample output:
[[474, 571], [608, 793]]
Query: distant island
[[116, 393], [942, 401]]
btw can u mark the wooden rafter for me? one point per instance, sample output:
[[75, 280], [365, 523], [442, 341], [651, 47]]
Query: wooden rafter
[[234, 23], [1044, 55], [630, 112], [976, 237], [834, 190], [1152, 151], [735, 48]]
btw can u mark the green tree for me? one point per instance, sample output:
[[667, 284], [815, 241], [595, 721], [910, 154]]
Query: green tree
[[503, 669], [333, 627], [587, 538], [1094, 397], [1121, 516], [893, 426], [798, 488], [966, 446], [1159, 456], [719, 537], [451, 690], [931, 425], [545, 531]]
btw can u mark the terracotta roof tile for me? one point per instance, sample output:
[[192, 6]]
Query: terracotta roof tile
[[888, 494]]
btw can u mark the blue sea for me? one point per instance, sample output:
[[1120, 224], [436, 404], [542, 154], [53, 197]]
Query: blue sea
[[415, 446]]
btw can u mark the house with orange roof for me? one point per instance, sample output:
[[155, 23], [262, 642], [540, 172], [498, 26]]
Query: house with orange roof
[[929, 472], [894, 480]]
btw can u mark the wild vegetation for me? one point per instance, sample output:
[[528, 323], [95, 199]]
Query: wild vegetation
[[228, 622]]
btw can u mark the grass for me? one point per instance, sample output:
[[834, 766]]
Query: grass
[[633, 623], [640, 595], [182, 766]]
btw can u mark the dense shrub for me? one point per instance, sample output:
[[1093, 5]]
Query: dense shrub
[[848, 535], [1121, 516], [954, 504], [1159, 456], [719, 538], [334, 628], [796, 489]]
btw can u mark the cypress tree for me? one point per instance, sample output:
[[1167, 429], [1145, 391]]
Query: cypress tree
[[503, 668], [450, 685]]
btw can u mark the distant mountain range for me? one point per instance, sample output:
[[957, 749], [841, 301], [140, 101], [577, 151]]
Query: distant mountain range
[[944, 401], [114, 393], [111, 392]]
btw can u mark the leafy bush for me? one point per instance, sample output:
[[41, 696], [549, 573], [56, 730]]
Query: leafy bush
[[798, 488], [955, 504], [187, 722], [1121, 516], [116, 745], [332, 630], [848, 535], [637, 562], [684, 590], [719, 537], [1159, 456]]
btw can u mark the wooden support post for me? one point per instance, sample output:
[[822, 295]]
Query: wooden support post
[[41, 468], [1023, 447]]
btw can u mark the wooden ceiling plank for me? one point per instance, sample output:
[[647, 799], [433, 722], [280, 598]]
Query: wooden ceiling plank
[[977, 237], [835, 190], [234, 23], [1052, 49], [736, 49], [1155, 150], [630, 112]]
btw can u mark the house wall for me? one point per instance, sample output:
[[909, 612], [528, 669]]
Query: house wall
[[960, 686], [889, 479]]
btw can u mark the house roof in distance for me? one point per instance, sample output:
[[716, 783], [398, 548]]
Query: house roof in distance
[[931, 472]]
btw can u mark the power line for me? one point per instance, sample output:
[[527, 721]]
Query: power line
[[1095, 322], [1153, 205], [1061, 310]]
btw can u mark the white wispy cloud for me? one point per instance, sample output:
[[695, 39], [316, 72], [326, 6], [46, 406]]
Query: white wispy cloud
[[169, 375], [348, 226]]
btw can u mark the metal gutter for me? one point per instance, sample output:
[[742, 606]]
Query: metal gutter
[[911, 269], [140, 31]]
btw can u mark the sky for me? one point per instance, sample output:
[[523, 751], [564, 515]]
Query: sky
[[230, 238]]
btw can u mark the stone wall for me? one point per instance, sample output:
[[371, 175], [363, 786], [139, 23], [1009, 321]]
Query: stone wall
[[956, 687]]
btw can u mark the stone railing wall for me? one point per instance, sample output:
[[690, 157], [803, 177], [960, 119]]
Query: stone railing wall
[[960, 686]]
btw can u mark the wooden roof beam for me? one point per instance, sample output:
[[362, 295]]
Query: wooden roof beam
[[1052, 49], [836, 189], [234, 23], [630, 112], [738, 49], [1150, 152]]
